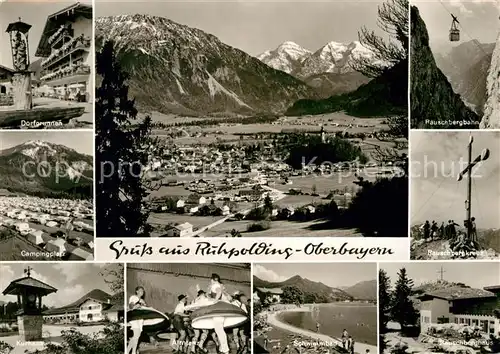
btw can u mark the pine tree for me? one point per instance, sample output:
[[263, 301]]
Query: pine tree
[[384, 300], [393, 20], [122, 146], [268, 204], [402, 310]]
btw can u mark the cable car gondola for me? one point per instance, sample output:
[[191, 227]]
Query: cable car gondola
[[454, 31]]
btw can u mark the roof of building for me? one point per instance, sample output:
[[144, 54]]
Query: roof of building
[[115, 308], [274, 291], [96, 295], [457, 293], [35, 284], [493, 288], [55, 20]]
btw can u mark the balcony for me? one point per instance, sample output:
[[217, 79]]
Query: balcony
[[62, 35], [80, 43], [79, 69]]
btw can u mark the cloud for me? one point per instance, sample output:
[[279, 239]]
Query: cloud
[[64, 296], [6, 276], [266, 274], [72, 271]]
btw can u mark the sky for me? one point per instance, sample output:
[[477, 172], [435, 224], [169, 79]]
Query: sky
[[72, 280], [473, 274], [33, 12], [435, 192], [81, 141], [479, 20], [331, 274], [256, 26]]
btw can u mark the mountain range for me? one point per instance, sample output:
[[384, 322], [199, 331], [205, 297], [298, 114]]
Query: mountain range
[[366, 290], [174, 68], [328, 69], [466, 67], [432, 96], [44, 169]]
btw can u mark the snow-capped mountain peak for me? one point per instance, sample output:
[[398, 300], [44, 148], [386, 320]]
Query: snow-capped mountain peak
[[286, 57], [333, 57]]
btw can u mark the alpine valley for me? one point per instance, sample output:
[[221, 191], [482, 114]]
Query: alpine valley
[[225, 137]]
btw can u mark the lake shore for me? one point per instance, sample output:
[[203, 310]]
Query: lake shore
[[274, 320]]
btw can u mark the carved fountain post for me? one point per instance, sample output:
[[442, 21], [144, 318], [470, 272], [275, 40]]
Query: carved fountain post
[[21, 81]]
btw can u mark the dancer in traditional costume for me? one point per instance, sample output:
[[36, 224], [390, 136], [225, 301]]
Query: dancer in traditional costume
[[217, 313], [140, 316], [136, 301], [239, 335]]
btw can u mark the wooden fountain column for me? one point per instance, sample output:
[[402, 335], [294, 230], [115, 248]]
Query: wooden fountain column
[[21, 89]]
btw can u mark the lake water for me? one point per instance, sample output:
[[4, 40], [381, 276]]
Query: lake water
[[360, 320]]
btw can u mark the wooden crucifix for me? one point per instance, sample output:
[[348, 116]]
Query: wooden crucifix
[[468, 171]]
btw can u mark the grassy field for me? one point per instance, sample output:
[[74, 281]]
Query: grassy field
[[324, 184], [279, 229], [169, 218]]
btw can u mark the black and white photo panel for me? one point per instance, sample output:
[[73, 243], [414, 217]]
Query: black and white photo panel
[[52, 308], [455, 52], [315, 308], [257, 124], [188, 308], [439, 307], [46, 196], [46, 65], [455, 195]]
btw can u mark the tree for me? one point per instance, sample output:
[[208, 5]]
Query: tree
[[393, 20], [113, 274], [366, 214], [292, 295], [122, 149], [235, 233], [384, 300], [402, 310], [268, 204]]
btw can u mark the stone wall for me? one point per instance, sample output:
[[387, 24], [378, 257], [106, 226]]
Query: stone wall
[[30, 327]]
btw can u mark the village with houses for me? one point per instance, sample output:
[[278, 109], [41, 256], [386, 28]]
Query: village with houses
[[203, 184]]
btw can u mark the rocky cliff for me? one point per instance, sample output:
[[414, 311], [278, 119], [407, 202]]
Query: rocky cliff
[[434, 105], [491, 117]]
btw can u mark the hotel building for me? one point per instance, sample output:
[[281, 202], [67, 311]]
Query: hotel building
[[65, 46], [463, 306], [96, 306]]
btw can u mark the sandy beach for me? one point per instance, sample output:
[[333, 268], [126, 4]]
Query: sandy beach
[[273, 320]]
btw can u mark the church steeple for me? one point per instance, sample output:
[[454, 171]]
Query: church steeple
[[323, 136]]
